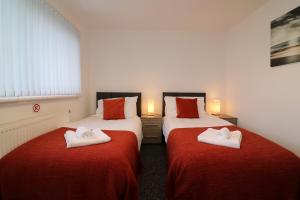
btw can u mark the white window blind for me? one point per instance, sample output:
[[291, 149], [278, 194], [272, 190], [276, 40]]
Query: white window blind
[[39, 51]]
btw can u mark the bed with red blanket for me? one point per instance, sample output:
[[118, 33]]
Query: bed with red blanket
[[260, 169], [44, 168]]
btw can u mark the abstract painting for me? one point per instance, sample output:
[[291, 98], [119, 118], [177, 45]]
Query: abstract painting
[[285, 38]]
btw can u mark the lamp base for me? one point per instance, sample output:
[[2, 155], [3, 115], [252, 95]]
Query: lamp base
[[151, 115]]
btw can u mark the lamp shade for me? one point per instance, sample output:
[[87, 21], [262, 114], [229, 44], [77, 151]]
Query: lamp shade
[[150, 107], [216, 106]]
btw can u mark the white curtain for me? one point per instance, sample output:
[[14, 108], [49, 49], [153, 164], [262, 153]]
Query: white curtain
[[39, 51]]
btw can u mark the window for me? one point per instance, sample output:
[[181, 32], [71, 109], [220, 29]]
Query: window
[[39, 51]]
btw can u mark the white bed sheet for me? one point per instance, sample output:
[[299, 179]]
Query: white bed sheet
[[133, 124], [170, 123]]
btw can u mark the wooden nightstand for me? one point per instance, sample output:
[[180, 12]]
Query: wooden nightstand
[[229, 118], [151, 126]]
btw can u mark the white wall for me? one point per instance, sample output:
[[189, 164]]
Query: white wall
[[265, 99], [155, 61]]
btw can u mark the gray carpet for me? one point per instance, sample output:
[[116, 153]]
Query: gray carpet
[[152, 180]]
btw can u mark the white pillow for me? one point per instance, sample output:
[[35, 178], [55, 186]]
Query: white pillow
[[171, 108], [129, 107], [99, 110]]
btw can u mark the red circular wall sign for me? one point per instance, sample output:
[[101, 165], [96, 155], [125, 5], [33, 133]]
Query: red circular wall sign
[[36, 107]]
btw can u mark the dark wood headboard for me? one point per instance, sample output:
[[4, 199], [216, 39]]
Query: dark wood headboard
[[181, 94], [107, 95]]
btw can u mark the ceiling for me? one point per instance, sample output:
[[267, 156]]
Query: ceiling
[[207, 15]]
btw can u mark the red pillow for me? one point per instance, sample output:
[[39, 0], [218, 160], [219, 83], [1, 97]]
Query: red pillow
[[113, 108], [187, 108]]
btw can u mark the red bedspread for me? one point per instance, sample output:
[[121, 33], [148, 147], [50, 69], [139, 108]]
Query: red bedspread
[[260, 170], [44, 168]]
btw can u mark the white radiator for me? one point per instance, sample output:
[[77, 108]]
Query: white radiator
[[15, 133]]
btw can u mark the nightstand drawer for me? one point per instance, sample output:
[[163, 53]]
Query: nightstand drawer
[[150, 140], [151, 125], [151, 121], [151, 132]]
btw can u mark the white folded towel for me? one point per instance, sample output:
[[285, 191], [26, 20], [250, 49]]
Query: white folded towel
[[223, 133], [221, 137], [97, 137], [82, 132]]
